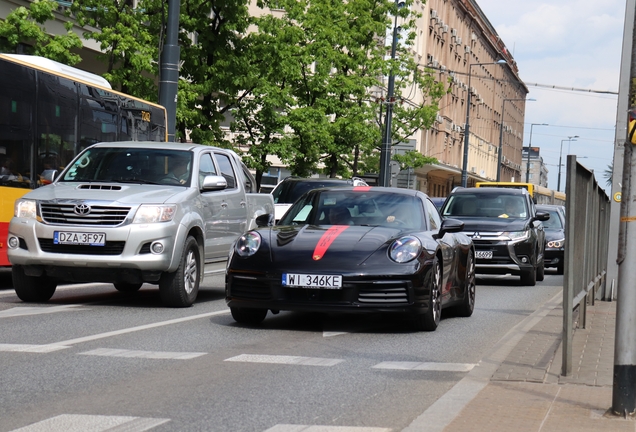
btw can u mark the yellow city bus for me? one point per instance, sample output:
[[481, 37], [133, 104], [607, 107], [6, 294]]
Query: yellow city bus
[[540, 194], [48, 113]]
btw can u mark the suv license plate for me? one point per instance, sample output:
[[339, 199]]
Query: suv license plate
[[483, 254], [79, 238], [312, 281]]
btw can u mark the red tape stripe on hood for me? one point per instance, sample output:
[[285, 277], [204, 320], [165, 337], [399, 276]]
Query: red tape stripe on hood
[[327, 238]]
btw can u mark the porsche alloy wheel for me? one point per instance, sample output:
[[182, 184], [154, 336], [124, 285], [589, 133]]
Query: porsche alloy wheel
[[430, 319], [467, 306], [248, 316]]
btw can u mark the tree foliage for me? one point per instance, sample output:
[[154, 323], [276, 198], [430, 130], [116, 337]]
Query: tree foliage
[[27, 26]]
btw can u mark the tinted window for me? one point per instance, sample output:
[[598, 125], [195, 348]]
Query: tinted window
[[226, 170], [288, 192], [486, 206], [434, 218]]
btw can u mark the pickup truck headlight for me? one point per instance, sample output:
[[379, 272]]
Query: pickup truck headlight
[[556, 244], [517, 235], [25, 208], [248, 244], [405, 249], [154, 213]]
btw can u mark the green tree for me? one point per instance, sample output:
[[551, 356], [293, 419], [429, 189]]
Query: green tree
[[26, 26], [608, 174]]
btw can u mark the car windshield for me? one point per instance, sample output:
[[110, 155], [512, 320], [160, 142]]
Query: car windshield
[[287, 192], [486, 206], [555, 219], [130, 165], [334, 207]]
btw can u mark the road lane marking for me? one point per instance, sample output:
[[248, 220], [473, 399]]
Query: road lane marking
[[31, 348], [332, 333], [322, 428], [426, 366], [30, 310], [281, 359], [94, 423], [113, 352]]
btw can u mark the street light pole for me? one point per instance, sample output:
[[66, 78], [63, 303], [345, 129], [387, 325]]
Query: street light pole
[[529, 146], [169, 75], [503, 104], [570, 138], [467, 124], [384, 179]]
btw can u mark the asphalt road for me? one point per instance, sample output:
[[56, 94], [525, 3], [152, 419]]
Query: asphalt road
[[96, 359]]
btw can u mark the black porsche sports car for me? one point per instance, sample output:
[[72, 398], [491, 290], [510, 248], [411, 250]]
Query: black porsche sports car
[[354, 249]]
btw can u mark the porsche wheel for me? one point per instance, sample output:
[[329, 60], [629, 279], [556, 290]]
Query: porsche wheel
[[430, 319], [248, 316], [127, 287], [32, 288], [467, 306], [180, 288]]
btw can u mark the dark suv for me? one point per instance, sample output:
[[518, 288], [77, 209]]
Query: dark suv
[[505, 227], [292, 188]]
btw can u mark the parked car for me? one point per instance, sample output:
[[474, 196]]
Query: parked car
[[554, 236], [292, 188], [505, 227], [354, 249], [134, 212], [438, 201]]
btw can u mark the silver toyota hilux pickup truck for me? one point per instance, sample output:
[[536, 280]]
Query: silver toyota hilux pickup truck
[[130, 213]]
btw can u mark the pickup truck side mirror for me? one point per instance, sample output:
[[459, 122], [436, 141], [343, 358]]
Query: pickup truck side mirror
[[265, 220], [213, 183]]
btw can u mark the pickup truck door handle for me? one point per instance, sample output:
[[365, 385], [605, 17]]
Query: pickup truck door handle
[[224, 205], [243, 204]]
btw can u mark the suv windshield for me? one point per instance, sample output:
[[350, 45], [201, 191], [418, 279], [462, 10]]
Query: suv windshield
[[139, 165], [287, 192], [491, 206]]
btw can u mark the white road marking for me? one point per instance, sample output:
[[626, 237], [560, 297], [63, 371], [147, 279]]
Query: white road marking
[[281, 359], [93, 423], [30, 310], [333, 333], [426, 366], [113, 352], [31, 348], [321, 428]]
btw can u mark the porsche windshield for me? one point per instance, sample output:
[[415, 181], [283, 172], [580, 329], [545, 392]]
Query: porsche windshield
[[138, 165], [337, 207]]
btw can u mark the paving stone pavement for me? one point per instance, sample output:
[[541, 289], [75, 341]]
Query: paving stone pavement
[[528, 393]]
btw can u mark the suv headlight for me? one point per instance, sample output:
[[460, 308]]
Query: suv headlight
[[405, 249], [517, 236], [248, 244], [25, 208], [556, 244], [154, 213]]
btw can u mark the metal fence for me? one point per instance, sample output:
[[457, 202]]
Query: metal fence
[[587, 219]]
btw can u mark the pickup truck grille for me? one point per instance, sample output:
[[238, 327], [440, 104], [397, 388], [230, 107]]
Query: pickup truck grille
[[64, 214]]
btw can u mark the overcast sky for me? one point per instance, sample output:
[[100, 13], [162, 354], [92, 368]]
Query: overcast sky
[[571, 44]]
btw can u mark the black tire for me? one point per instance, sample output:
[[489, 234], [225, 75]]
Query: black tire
[[429, 320], [467, 306], [529, 277], [127, 287], [32, 288], [560, 268], [248, 316], [180, 288], [541, 271]]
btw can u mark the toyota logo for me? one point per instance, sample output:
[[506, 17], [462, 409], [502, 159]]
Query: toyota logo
[[82, 209]]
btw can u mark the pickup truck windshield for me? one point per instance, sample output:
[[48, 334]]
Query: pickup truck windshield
[[131, 165]]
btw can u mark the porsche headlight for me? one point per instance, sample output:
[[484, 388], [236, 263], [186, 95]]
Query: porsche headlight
[[405, 249], [248, 244], [556, 244], [25, 208], [517, 235], [154, 213]]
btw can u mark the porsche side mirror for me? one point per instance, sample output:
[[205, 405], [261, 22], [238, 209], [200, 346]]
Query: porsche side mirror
[[451, 226]]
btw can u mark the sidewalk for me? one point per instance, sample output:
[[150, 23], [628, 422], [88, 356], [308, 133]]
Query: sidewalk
[[528, 393]]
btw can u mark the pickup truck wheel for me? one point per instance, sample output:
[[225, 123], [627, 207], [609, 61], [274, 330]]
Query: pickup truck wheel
[[180, 288], [127, 287], [32, 288], [248, 316]]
